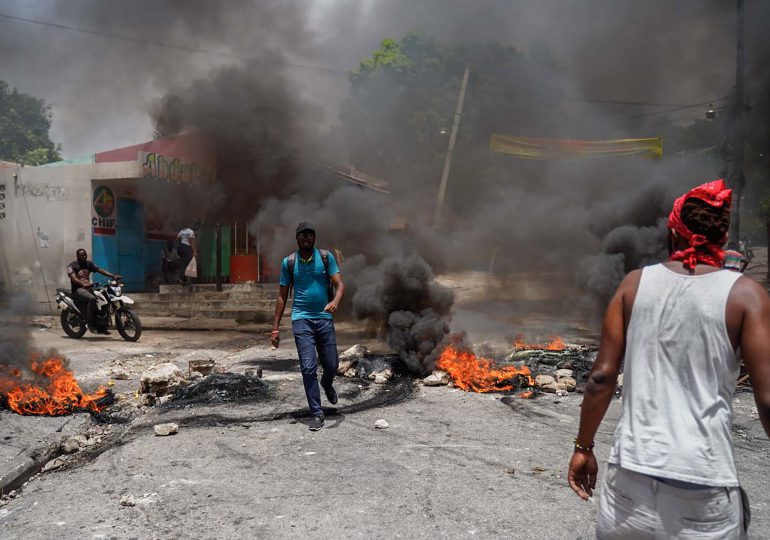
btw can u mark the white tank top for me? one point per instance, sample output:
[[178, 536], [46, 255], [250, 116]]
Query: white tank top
[[679, 379]]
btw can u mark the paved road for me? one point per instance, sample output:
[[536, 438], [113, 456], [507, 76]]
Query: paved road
[[451, 464]]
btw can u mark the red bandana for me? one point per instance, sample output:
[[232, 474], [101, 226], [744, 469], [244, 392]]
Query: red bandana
[[701, 251]]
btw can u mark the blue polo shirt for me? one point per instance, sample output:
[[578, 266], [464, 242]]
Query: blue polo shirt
[[310, 285]]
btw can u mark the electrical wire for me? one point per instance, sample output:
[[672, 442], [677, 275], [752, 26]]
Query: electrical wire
[[164, 45]]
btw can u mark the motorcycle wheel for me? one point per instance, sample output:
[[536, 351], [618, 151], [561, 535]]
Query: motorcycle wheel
[[128, 324], [72, 324]]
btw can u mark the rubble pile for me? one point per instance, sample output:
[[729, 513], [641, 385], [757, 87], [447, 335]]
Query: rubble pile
[[359, 362]]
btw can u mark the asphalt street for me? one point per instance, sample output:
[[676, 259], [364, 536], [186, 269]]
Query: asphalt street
[[451, 464]]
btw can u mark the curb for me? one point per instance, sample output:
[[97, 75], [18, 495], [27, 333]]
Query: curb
[[15, 472]]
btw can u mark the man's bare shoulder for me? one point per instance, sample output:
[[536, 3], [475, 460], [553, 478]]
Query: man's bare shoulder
[[747, 292], [630, 283]]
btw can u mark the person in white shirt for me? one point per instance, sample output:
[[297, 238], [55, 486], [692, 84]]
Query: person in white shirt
[[676, 327], [186, 250]]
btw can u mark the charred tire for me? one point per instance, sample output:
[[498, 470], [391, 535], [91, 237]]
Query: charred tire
[[72, 324], [128, 324]]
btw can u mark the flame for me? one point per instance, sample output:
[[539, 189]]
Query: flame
[[62, 394], [556, 344], [477, 374]]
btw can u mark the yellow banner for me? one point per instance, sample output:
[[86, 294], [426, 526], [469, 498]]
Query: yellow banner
[[531, 148]]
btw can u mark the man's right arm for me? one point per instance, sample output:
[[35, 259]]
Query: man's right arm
[[755, 344], [280, 303], [280, 306]]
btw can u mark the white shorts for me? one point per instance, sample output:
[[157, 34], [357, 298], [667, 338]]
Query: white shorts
[[632, 505]]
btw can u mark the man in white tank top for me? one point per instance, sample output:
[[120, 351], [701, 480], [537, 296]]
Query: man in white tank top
[[676, 326]]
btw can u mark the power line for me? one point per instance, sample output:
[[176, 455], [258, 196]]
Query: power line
[[164, 45], [683, 107], [332, 71]]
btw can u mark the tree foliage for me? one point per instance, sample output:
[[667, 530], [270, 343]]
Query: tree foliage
[[403, 100], [24, 124]]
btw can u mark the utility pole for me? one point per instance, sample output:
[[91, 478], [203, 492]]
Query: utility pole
[[449, 152], [738, 179]]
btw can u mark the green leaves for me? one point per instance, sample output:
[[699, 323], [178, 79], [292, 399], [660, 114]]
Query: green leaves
[[24, 124]]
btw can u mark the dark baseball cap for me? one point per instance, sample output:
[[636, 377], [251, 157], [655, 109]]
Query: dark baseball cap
[[305, 226]]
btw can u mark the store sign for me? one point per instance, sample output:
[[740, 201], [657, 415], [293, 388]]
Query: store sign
[[160, 167], [104, 211]]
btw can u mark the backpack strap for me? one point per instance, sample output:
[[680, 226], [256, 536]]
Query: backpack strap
[[325, 258]]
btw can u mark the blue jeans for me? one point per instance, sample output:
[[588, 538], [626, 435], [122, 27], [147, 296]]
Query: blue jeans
[[315, 339]]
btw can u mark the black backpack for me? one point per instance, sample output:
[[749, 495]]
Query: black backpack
[[292, 258]]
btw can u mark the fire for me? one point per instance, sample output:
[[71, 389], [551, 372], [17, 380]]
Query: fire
[[556, 344], [61, 395], [477, 374]]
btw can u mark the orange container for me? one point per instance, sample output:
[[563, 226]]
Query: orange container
[[243, 268]]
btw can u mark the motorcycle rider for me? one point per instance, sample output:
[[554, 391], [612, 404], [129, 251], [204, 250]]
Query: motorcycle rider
[[79, 272]]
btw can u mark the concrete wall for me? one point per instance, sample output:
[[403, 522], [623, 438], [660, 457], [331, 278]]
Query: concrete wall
[[47, 218]]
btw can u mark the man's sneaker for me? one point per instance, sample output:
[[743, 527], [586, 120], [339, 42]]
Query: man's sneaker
[[316, 423], [331, 394], [91, 328]]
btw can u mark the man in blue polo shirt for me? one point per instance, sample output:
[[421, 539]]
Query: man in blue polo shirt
[[311, 271]]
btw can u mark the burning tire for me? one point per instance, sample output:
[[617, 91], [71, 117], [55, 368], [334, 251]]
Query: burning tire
[[128, 324], [72, 324]]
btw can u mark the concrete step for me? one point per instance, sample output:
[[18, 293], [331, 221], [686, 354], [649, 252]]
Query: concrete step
[[201, 297], [243, 314], [270, 288], [208, 304]]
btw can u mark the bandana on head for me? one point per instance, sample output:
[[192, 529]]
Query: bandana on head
[[701, 250]]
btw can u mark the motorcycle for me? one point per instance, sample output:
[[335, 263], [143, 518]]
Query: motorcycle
[[110, 304]]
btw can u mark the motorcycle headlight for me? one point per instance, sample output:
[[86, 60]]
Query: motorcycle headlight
[[115, 291]]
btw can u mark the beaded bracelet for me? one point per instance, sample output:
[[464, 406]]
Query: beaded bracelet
[[588, 448]]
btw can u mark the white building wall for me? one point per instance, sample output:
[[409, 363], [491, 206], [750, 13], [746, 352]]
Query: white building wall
[[47, 218]]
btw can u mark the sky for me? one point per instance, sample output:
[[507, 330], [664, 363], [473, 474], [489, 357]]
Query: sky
[[102, 88]]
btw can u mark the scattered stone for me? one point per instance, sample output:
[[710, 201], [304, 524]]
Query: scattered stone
[[381, 377], [551, 387], [619, 384], [70, 445], [54, 464], [544, 380], [162, 430], [437, 378], [202, 366], [254, 373], [120, 373], [350, 373], [195, 376], [354, 352], [568, 383], [145, 400], [561, 393], [381, 424], [161, 379], [349, 358], [163, 399], [127, 500], [561, 373]]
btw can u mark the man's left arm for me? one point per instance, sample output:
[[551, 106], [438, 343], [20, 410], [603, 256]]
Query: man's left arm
[[104, 272], [598, 395], [339, 288]]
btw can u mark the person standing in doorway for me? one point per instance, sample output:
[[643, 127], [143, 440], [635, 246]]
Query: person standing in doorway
[[169, 259], [318, 290], [186, 251], [676, 327]]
